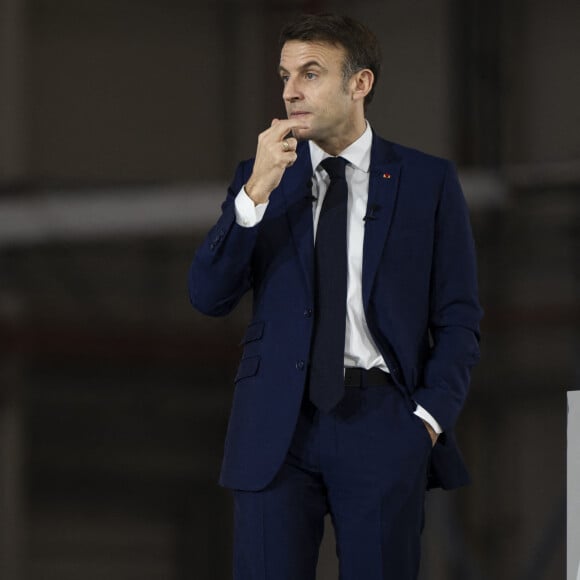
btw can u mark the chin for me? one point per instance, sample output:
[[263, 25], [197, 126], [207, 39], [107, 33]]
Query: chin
[[302, 134]]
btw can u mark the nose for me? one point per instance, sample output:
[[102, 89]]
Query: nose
[[291, 91]]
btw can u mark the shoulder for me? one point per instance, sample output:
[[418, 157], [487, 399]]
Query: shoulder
[[385, 151]]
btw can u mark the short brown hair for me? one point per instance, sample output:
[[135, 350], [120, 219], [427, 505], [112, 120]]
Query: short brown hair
[[361, 45]]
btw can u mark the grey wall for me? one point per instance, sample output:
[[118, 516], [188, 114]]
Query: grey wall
[[114, 395], [127, 90]]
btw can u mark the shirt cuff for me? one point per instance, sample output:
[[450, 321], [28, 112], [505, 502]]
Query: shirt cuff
[[247, 213], [422, 413]]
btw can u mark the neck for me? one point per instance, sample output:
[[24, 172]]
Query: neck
[[338, 143]]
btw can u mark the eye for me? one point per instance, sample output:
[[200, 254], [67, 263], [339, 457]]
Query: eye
[[284, 78], [310, 76]]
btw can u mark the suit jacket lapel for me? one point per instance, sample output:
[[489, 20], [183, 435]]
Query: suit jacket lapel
[[296, 188], [385, 171]]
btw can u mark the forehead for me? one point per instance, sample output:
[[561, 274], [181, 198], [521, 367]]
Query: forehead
[[296, 53]]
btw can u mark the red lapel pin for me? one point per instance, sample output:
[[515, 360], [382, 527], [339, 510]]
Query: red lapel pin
[[386, 176]]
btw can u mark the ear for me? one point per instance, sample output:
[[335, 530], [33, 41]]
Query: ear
[[361, 83]]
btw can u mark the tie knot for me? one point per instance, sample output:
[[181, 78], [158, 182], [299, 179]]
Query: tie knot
[[334, 166]]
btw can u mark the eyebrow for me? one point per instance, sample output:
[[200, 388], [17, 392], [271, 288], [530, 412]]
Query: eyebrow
[[306, 65]]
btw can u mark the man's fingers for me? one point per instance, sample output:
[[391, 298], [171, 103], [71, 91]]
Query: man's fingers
[[289, 144], [431, 431], [278, 129], [276, 151], [281, 127], [275, 136]]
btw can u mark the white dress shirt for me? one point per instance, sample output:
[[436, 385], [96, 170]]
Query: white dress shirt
[[360, 349]]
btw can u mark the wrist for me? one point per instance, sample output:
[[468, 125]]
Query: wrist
[[256, 193], [432, 433]]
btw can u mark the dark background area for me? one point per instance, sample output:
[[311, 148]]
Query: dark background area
[[121, 122]]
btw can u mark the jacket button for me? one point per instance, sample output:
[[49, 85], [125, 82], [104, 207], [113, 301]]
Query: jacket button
[[308, 313], [300, 365]]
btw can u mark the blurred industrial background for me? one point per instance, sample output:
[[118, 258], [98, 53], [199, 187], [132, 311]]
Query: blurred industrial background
[[121, 122]]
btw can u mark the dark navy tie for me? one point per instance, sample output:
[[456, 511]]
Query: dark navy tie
[[326, 379]]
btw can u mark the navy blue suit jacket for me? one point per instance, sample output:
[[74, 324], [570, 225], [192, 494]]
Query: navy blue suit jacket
[[419, 295]]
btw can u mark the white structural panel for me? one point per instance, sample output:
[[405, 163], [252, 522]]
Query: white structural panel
[[573, 485]]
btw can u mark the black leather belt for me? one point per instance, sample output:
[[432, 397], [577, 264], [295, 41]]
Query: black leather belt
[[355, 377]]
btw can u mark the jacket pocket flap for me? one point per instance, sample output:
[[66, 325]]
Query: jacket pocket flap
[[255, 331], [248, 368]]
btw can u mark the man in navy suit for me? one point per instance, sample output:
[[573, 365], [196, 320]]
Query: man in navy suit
[[370, 250]]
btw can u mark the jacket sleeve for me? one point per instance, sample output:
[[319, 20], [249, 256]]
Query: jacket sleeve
[[454, 310], [220, 273]]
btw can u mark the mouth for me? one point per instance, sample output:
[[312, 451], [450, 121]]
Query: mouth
[[298, 114]]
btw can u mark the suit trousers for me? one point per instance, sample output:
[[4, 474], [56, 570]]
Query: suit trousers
[[365, 463]]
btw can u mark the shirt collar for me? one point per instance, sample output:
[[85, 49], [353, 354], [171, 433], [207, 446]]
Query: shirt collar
[[357, 153]]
